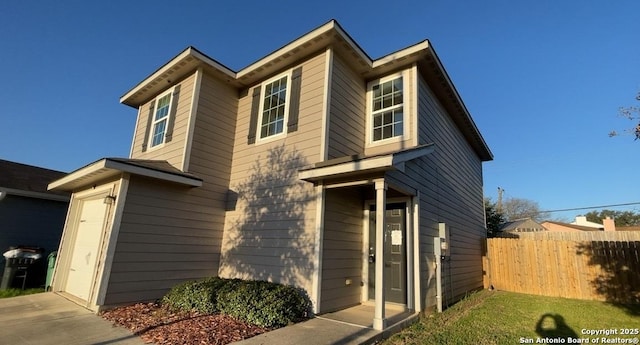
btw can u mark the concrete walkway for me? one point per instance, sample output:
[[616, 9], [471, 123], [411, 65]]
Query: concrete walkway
[[50, 319], [352, 326]]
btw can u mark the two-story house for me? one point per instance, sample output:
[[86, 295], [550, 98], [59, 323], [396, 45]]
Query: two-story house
[[357, 180]]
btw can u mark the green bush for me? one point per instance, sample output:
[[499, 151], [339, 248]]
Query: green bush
[[199, 295], [258, 302]]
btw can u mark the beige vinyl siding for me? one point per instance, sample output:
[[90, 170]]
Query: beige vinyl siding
[[212, 148], [173, 150], [165, 238], [342, 249], [347, 113], [270, 230], [450, 192]]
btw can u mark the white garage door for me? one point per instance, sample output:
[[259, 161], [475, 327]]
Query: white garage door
[[85, 249]]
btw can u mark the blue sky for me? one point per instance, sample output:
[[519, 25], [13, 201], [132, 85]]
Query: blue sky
[[543, 79]]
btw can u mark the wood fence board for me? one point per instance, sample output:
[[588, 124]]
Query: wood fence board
[[593, 269]]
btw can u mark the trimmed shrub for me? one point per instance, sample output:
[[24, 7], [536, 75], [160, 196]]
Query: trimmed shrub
[[260, 303], [197, 295], [264, 304]]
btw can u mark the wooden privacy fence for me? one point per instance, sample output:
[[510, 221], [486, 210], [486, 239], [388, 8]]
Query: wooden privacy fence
[[604, 270]]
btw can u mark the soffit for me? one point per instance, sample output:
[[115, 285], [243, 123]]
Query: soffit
[[362, 167], [108, 168]]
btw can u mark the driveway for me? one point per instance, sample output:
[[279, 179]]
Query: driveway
[[48, 318]]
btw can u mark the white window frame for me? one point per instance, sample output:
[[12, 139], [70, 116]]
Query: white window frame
[[406, 109], [287, 102], [154, 122]]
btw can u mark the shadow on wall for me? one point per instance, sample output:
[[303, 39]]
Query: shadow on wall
[[268, 239], [619, 280]]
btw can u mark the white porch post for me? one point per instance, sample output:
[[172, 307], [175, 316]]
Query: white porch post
[[379, 320]]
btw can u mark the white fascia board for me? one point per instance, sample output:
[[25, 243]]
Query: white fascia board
[[171, 64], [89, 169], [348, 167], [388, 162], [107, 168], [424, 45], [405, 156], [300, 42]]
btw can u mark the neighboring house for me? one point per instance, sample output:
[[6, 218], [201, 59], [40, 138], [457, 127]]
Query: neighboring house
[[559, 226], [315, 166], [581, 224], [582, 221], [520, 225], [30, 215]]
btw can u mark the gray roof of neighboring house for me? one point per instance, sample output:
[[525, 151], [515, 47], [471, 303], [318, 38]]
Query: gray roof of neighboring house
[[27, 178], [522, 225]]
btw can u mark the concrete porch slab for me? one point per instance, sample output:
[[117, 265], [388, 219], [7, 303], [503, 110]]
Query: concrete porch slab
[[351, 326]]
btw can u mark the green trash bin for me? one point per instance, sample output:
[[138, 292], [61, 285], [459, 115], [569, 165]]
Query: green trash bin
[[51, 264]]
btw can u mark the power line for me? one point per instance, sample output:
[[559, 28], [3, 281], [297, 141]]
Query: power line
[[587, 208]]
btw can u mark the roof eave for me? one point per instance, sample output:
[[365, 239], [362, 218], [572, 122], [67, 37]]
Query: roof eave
[[175, 69], [478, 142], [363, 165], [106, 168]]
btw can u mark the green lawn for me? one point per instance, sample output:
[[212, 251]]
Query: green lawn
[[508, 318], [18, 292]]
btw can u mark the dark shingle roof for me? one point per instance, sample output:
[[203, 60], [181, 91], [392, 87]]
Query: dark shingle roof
[[522, 225], [27, 178]]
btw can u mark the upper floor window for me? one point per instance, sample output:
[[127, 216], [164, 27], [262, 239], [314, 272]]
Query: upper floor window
[[274, 107], [160, 120], [160, 116], [387, 109]]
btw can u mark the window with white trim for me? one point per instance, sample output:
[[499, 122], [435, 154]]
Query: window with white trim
[[274, 107], [160, 120], [387, 109]]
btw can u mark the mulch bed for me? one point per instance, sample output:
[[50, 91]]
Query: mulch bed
[[159, 325]]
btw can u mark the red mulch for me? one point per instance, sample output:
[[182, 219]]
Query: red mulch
[[155, 324]]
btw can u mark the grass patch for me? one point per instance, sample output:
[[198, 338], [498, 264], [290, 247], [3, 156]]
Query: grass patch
[[18, 292], [504, 318]]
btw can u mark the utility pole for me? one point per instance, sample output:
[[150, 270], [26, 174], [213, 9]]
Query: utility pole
[[499, 206]]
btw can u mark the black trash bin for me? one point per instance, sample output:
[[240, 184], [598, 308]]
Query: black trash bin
[[20, 263]]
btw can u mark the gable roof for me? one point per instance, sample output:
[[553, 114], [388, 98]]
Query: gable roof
[[331, 35], [522, 225], [28, 180], [110, 167]]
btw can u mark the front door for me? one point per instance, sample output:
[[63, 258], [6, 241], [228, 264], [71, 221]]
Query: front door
[[395, 264], [85, 248]]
